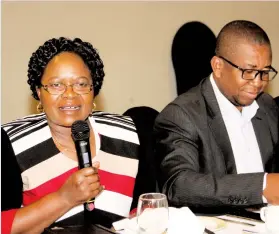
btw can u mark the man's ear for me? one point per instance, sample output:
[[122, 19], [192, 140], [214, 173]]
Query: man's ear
[[217, 66]]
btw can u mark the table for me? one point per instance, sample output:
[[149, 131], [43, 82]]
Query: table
[[99, 222]]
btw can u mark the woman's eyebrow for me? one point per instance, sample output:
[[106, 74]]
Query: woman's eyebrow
[[61, 78]]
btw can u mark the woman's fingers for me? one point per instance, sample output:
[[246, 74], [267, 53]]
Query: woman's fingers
[[96, 164], [86, 171], [83, 185], [92, 179], [96, 192]]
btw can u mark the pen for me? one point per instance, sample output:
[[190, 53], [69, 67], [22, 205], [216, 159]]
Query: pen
[[246, 218], [236, 221], [249, 231]]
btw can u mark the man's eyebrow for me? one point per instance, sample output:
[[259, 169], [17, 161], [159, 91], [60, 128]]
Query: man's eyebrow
[[251, 65], [269, 66], [254, 66]]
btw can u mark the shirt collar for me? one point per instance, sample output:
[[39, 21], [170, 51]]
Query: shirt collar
[[228, 109]]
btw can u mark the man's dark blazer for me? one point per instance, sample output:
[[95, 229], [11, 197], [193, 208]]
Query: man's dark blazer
[[11, 182], [196, 165]]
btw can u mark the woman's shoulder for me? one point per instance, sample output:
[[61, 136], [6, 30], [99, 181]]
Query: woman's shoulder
[[24, 124], [115, 126], [113, 119]]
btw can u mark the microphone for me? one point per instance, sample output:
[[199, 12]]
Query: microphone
[[80, 134]]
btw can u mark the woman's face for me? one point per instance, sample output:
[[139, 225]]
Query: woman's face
[[64, 109]]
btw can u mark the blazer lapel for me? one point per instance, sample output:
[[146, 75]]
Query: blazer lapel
[[217, 126], [263, 136]]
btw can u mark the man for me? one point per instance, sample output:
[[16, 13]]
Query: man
[[216, 141], [11, 184], [277, 100]]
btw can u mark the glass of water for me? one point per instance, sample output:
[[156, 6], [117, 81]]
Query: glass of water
[[152, 213]]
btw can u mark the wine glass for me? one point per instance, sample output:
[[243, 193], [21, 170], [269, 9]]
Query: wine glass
[[152, 213]]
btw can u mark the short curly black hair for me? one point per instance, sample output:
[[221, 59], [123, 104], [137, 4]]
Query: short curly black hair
[[42, 56]]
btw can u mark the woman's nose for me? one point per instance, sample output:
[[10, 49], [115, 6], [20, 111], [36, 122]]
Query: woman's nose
[[69, 92]]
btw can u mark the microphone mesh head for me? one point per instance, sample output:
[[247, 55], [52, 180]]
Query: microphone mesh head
[[80, 130]]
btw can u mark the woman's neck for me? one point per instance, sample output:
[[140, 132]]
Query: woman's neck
[[62, 137]]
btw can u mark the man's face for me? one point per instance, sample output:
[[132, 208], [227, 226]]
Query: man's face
[[229, 79]]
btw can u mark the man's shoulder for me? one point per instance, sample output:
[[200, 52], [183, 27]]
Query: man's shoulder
[[190, 96], [25, 124], [189, 101], [267, 103], [265, 97], [189, 106]]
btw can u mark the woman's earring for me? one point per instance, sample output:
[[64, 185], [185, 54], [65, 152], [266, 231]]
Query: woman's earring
[[94, 106], [40, 108]]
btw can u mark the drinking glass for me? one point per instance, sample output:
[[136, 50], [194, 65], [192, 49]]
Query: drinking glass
[[152, 213], [270, 215]]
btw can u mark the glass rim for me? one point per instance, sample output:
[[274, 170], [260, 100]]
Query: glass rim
[[244, 70], [60, 93], [270, 78], [162, 196], [47, 87]]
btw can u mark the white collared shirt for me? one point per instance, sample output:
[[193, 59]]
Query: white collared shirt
[[241, 133]]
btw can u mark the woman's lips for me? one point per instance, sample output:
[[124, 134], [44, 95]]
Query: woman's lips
[[69, 108]]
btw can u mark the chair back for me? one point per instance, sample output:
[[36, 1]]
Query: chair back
[[192, 49], [144, 118]]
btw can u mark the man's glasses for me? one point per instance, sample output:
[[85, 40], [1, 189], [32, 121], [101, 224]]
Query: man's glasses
[[251, 74], [60, 88]]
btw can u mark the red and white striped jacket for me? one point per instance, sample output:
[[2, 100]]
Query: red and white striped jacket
[[44, 169]]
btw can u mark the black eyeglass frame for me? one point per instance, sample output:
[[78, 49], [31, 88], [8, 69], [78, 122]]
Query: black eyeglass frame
[[243, 70], [45, 87]]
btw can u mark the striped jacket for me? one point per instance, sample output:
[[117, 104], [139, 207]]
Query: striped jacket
[[44, 169]]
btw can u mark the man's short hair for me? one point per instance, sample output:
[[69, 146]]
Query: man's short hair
[[240, 29]]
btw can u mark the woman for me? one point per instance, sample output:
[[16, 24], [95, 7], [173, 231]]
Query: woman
[[65, 76]]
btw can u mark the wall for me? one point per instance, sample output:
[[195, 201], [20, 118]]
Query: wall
[[134, 40]]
